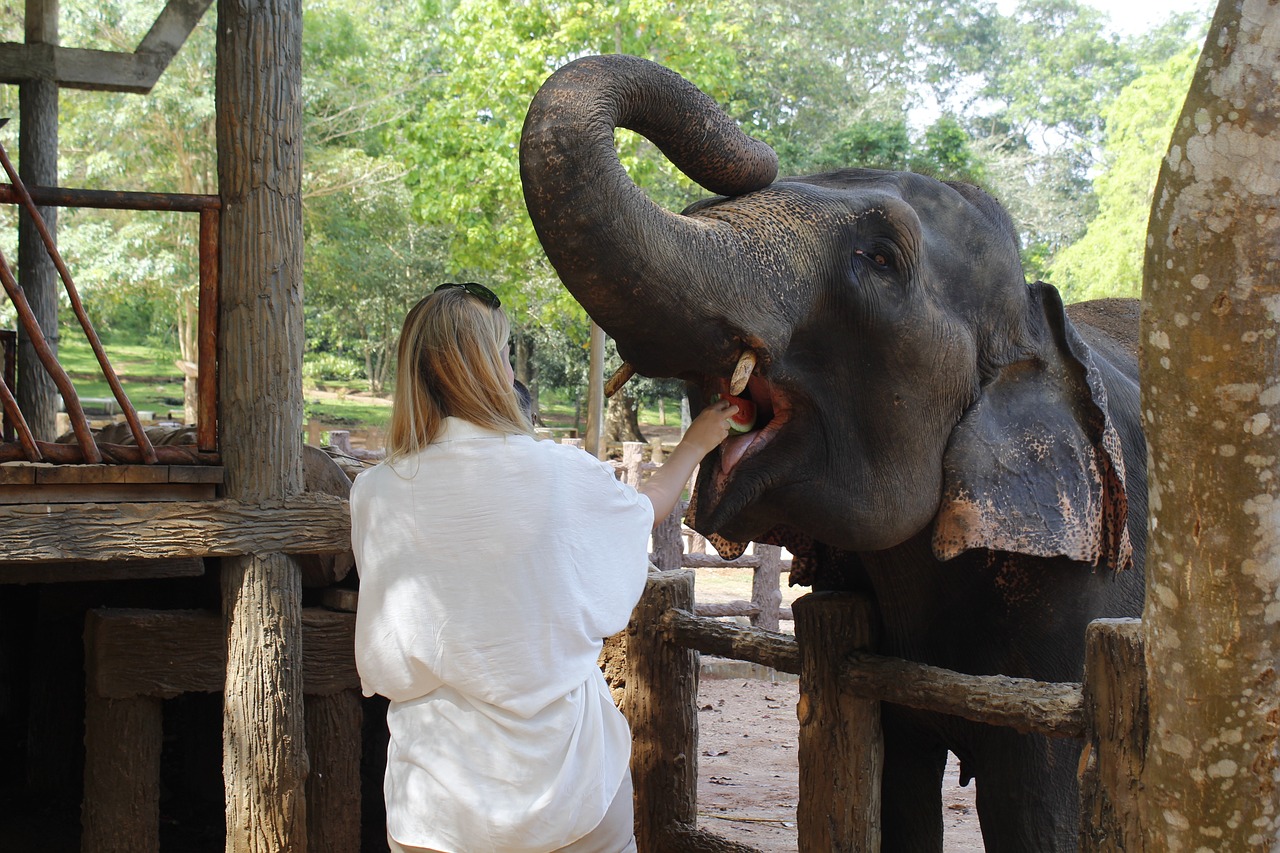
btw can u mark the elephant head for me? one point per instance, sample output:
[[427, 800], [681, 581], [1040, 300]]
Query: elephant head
[[907, 378]]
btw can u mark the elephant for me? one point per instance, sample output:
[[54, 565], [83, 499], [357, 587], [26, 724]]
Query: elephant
[[931, 428]]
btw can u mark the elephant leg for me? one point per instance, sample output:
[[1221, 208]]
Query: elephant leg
[[911, 812], [1027, 794]]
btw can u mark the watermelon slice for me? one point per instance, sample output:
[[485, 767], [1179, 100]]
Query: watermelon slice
[[745, 418]]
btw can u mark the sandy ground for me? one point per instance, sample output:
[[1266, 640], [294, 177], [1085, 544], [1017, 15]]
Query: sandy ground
[[748, 777]]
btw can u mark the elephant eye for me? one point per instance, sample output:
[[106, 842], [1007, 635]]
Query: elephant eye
[[880, 259]]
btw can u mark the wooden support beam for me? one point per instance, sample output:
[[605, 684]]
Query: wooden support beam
[[165, 653], [103, 70], [841, 746], [136, 658], [304, 524], [122, 744], [99, 570]]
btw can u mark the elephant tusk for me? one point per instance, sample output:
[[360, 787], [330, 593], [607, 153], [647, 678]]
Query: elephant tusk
[[741, 373], [618, 379]]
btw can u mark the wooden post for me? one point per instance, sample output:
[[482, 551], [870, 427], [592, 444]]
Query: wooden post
[[668, 543], [259, 133], [766, 587], [333, 785], [841, 747], [122, 739], [632, 459], [661, 703], [1115, 705], [594, 439], [38, 165]]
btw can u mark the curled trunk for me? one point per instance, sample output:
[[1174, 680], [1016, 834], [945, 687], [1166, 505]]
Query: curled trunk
[[607, 240]]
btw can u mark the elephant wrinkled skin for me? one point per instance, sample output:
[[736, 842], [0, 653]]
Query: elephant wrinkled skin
[[931, 428]]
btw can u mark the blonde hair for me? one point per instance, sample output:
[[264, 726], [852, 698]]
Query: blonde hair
[[449, 364]]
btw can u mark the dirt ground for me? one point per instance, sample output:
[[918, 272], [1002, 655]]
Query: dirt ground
[[748, 778]]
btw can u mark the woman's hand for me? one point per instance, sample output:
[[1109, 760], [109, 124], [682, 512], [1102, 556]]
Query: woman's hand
[[664, 486]]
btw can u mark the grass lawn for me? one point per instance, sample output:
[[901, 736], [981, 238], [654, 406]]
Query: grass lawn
[[153, 383], [148, 374]]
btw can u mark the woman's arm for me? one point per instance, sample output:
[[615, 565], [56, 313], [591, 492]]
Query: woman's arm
[[664, 486]]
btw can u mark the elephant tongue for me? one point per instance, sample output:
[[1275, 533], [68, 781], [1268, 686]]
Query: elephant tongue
[[733, 448]]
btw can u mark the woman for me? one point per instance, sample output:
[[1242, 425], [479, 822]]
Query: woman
[[491, 567]]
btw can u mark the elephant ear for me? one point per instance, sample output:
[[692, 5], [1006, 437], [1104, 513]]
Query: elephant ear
[[1035, 466]]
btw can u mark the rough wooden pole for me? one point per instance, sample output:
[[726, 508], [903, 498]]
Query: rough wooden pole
[[38, 165], [593, 440], [766, 587], [1211, 403], [259, 128], [841, 747], [1115, 702], [661, 703]]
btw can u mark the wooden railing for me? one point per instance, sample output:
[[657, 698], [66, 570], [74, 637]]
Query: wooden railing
[[842, 684], [86, 448]]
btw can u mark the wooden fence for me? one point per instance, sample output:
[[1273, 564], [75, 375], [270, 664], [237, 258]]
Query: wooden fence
[[840, 743]]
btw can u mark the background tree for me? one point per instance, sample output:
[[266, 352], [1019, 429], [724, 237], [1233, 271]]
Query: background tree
[[1107, 259]]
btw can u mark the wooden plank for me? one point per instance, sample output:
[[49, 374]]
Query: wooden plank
[[106, 493], [196, 474], [110, 570], [79, 474], [17, 475], [304, 524], [165, 653]]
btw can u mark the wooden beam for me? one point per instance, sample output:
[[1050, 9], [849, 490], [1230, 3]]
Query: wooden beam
[[303, 524], [103, 70], [165, 653], [172, 27], [109, 570]]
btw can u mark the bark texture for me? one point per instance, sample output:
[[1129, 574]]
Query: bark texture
[[259, 109], [1211, 403], [38, 165]]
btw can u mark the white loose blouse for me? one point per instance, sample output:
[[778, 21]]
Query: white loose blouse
[[491, 568]]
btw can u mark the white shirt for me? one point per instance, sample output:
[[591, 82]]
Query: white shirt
[[491, 567]]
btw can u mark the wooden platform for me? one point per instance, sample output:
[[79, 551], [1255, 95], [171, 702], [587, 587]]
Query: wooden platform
[[35, 482]]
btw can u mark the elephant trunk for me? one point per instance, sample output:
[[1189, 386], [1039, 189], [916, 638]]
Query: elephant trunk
[[614, 249]]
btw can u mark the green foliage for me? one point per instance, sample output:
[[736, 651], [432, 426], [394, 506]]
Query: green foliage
[[1107, 260], [331, 366], [412, 119]]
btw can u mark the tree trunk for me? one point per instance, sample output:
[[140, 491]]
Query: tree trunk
[[622, 419], [1211, 398], [259, 177], [38, 166]]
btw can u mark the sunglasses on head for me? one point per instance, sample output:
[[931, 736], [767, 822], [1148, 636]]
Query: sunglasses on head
[[479, 291]]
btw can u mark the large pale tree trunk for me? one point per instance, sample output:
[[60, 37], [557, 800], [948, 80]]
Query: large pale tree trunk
[[259, 128], [1211, 397], [38, 166]]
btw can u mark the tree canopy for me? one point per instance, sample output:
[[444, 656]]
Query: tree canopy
[[413, 118]]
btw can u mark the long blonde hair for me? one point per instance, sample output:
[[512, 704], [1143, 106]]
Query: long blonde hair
[[449, 364]]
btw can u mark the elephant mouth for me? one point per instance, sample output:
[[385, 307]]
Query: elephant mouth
[[729, 490]]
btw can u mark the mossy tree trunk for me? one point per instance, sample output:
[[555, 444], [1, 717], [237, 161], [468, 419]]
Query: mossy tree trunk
[[1211, 401]]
